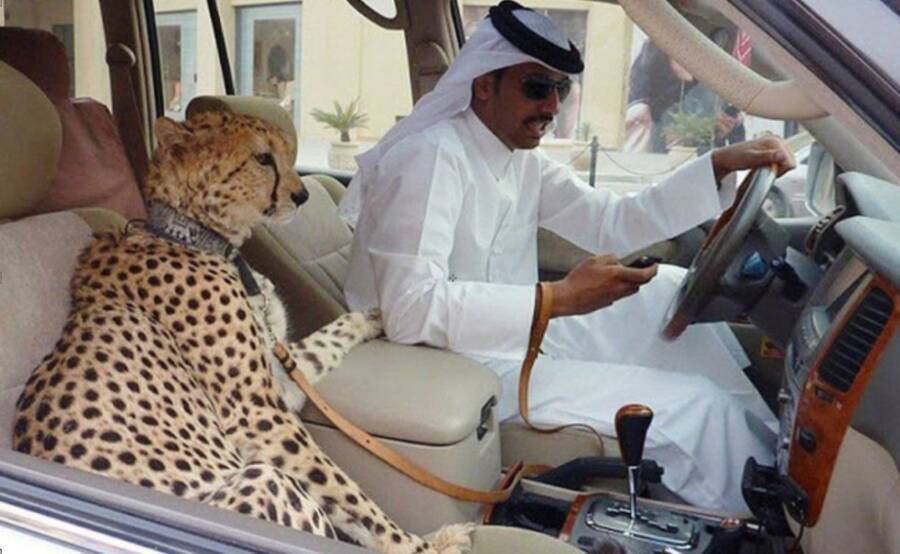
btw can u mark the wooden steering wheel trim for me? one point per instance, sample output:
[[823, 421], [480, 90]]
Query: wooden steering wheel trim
[[726, 216], [678, 320]]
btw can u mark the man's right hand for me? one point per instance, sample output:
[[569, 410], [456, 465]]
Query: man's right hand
[[596, 283], [638, 114]]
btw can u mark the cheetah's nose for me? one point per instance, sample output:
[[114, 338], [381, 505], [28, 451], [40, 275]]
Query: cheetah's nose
[[300, 196]]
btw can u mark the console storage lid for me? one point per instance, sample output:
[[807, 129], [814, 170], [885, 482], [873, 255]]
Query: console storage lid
[[408, 393]]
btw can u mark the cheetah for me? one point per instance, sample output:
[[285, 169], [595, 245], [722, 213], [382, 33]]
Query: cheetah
[[164, 376]]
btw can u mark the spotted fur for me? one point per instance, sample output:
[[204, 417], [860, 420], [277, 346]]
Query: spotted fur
[[163, 375]]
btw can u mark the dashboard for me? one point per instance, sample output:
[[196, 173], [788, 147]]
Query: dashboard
[[844, 339]]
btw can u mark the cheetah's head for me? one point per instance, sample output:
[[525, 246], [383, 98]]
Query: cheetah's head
[[225, 170]]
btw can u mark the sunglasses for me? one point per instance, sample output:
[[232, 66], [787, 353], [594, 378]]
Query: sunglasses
[[540, 87]]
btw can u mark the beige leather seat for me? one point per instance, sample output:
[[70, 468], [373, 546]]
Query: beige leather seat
[[37, 253]]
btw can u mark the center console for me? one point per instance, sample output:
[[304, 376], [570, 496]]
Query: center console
[[598, 518], [602, 518], [601, 522], [844, 338], [616, 523]]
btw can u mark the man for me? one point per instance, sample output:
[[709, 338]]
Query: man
[[449, 205]]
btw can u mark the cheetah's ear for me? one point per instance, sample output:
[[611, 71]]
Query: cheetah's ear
[[169, 132]]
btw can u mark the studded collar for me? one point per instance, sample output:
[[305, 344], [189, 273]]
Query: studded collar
[[167, 223], [164, 221]]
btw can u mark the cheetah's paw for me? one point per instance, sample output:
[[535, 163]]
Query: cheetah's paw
[[452, 539], [373, 326]]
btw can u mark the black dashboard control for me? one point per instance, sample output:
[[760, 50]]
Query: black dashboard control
[[824, 396], [807, 440], [644, 261], [819, 237], [784, 396], [794, 287], [765, 491]]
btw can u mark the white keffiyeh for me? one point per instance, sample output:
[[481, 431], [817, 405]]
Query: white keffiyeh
[[485, 51]]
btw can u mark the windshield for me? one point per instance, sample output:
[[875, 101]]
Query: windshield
[[633, 117]]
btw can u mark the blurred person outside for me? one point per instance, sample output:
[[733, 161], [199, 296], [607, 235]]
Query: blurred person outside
[[661, 94]]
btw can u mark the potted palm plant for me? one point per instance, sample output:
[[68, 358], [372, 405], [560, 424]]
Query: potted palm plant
[[343, 120], [691, 128], [687, 129]]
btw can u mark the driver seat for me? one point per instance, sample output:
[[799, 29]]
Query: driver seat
[[311, 257]]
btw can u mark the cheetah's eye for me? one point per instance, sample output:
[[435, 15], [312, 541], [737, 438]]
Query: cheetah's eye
[[265, 158]]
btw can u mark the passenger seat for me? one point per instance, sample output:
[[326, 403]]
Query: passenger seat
[[37, 253]]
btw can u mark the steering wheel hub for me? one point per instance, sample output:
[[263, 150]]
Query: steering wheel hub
[[718, 251]]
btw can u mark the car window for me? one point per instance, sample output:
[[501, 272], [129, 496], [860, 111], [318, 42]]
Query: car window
[[344, 80], [645, 114], [79, 28]]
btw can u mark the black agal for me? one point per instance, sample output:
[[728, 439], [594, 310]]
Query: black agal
[[508, 24]]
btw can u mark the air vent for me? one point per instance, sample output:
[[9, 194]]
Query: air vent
[[849, 351]]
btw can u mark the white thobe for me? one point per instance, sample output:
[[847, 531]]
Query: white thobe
[[446, 245]]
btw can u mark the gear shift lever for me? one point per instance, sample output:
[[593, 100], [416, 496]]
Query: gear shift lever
[[632, 422], [666, 530]]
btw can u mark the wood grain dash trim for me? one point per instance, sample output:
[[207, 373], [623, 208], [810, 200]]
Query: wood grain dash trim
[[827, 419]]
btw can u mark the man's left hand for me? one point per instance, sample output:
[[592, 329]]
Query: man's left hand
[[769, 150]]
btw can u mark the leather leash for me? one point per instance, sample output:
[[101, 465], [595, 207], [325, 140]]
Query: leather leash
[[543, 309]]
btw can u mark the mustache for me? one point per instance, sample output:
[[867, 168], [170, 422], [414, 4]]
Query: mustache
[[539, 119]]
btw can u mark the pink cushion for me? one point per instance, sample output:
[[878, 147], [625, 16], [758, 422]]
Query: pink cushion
[[93, 167]]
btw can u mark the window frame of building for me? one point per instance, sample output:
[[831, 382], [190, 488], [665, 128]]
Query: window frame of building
[[186, 22], [246, 18]]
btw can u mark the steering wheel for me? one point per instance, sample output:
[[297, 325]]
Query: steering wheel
[[719, 249]]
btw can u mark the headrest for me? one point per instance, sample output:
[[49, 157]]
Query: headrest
[[263, 108], [40, 56], [30, 140]]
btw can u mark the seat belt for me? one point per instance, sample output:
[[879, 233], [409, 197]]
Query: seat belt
[[543, 309], [121, 59]]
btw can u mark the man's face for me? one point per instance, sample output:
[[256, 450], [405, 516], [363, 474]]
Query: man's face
[[517, 119]]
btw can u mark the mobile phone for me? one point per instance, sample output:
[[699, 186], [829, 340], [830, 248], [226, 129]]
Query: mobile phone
[[644, 261]]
